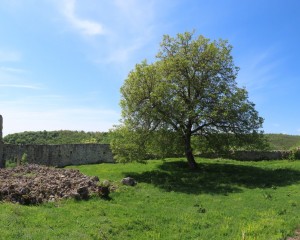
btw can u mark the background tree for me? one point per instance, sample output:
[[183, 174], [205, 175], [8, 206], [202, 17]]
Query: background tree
[[138, 145], [190, 89], [224, 144], [56, 137]]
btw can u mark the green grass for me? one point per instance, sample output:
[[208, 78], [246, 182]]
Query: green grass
[[223, 199]]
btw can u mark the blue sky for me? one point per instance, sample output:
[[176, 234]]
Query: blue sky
[[62, 62]]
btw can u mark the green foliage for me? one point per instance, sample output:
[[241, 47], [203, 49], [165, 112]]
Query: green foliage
[[190, 90], [163, 143], [56, 137], [224, 143], [294, 154], [136, 145], [222, 200], [10, 163], [24, 158], [283, 141], [127, 145]]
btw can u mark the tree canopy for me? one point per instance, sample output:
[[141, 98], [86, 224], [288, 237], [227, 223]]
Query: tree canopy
[[190, 89], [56, 137]]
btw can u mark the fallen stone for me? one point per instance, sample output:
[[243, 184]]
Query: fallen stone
[[128, 181], [34, 184]]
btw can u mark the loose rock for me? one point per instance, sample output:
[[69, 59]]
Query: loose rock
[[128, 181], [34, 184]]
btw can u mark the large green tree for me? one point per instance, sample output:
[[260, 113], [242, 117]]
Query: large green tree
[[191, 89]]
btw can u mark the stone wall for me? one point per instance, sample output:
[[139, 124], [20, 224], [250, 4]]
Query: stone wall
[[2, 163], [59, 155], [251, 155], [260, 155], [76, 154], [55, 155]]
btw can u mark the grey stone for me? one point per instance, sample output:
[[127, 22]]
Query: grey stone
[[2, 161], [128, 181], [105, 183]]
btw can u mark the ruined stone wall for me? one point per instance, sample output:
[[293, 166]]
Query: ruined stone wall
[[76, 154], [260, 155], [2, 163], [252, 155], [59, 155], [55, 155]]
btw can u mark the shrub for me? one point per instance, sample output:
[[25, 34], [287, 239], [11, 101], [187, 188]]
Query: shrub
[[294, 154], [24, 159]]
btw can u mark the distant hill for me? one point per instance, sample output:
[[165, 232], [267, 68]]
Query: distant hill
[[56, 137], [277, 141], [283, 141]]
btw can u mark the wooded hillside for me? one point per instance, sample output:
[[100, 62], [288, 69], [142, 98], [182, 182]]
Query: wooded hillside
[[56, 137], [276, 141], [283, 141]]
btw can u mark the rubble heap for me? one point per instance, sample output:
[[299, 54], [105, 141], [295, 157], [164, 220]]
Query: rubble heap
[[34, 184]]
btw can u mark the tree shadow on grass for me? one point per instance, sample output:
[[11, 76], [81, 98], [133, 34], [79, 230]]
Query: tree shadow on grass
[[215, 178]]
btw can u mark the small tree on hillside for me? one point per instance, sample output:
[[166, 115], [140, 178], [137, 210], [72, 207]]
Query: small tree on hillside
[[190, 89]]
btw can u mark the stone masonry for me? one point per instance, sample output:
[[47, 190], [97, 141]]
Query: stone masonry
[[76, 154], [2, 163], [55, 155], [59, 155]]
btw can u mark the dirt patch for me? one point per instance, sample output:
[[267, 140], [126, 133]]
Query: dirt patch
[[34, 184], [296, 237]]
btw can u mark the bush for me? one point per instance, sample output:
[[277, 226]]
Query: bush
[[294, 154], [138, 145], [127, 145], [24, 159]]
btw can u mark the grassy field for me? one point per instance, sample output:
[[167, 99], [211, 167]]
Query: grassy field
[[223, 199]]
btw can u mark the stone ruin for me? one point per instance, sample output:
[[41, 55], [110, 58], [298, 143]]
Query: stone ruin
[[33, 183], [55, 155], [2, 163], [76, 154]]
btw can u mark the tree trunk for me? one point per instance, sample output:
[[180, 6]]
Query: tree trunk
[[189, 152]]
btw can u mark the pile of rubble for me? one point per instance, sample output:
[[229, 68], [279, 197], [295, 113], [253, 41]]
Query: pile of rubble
[[34, 184]]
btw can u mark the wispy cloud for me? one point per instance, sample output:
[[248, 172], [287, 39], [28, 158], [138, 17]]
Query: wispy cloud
[[84, 26], [137, 13], [138, 26], [257, 71], [16, 78], [125, 26], [9, 56], [12, 70], [123, 53], [19, 86]]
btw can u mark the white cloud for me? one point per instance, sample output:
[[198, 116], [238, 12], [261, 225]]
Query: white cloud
[[129, 27], [84, 26], [15, 78], [138, 13], [9, 56], [257, 71], [19, 86], [122, 54], [12, 70]]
